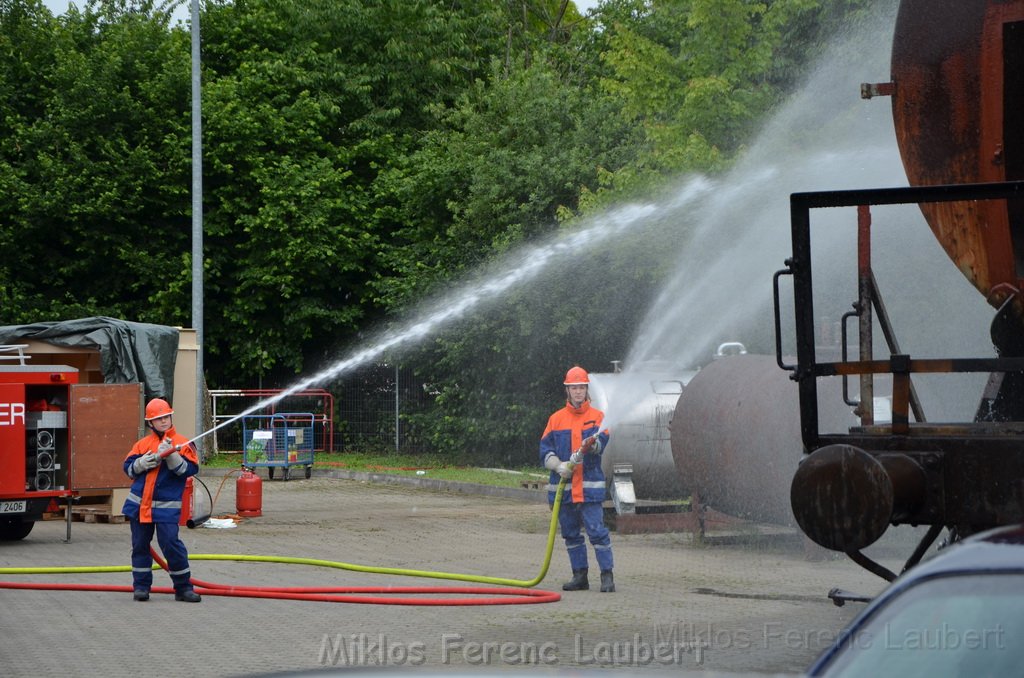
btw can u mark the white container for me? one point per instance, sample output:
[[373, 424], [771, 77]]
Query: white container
[[34, 420]]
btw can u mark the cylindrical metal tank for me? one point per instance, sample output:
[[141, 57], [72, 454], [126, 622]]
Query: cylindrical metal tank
[[735, 437], [249, 494], [638, 405], [957, 91]]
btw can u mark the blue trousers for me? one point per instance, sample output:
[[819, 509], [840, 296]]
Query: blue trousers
[[590, 516], [171, 546]]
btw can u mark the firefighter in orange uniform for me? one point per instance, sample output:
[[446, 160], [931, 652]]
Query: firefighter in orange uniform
[[158, 466], [571, 448]]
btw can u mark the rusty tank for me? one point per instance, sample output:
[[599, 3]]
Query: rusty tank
[[957, 85], [957, 92]]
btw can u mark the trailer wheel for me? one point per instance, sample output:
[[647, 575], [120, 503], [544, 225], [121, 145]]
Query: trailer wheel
[[270, 472], [309, 472], [13, 530]]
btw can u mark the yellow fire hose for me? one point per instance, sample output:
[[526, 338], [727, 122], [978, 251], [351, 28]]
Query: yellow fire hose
[[481, 579], [309, 594]]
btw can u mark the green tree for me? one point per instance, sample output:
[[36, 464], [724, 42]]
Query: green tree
[[309, 102], [95, 172], [27, 30], [671, 87], [362, 156]]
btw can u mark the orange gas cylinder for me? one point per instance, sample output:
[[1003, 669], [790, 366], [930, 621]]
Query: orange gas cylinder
[[186, 502], [249, 494]]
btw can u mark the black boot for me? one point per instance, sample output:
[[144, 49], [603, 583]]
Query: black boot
[[607, 582], [578, 582], [187, 596], [141, 595]]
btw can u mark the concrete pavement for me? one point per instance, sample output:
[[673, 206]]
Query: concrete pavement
[[680, 605]]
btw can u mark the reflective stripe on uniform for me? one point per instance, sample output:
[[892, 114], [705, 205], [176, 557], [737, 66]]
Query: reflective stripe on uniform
[[592, 484]]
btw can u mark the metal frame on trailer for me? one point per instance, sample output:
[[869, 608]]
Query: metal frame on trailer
[[963, 475]]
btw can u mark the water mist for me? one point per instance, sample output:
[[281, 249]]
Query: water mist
[[825, 138]]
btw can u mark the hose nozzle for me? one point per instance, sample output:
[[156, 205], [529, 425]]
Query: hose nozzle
[[586, 446], [169, 451]]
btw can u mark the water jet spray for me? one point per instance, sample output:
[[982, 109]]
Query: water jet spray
[[520, 267]]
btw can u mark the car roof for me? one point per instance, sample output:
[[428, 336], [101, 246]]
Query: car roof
[[996, 551], [999, 549]]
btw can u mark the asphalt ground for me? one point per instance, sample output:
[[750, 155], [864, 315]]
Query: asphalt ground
[[758, 606]]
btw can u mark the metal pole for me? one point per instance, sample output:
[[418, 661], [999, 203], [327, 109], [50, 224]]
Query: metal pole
[[197, 217], [866, 408], [397, 446]]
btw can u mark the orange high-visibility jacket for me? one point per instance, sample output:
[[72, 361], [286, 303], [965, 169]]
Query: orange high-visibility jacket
[[564, 434], [155, 496]]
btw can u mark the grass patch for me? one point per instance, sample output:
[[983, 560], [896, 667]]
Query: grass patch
[[408, 465]]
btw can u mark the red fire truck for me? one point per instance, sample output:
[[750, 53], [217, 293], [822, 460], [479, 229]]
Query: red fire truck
[[58, 438]]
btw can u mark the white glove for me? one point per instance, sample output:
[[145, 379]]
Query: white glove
[[176, 462], [165, 446], [564, 469], [144, 463], [576, 457]]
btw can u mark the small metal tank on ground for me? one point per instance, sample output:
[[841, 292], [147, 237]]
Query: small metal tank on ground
[[638, 404], [249, 494], [735, 437]]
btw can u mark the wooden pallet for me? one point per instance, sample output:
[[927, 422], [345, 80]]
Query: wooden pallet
[[100, 506], [97, 514], [95, 506]]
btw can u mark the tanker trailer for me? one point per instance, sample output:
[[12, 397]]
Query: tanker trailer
[[638, 404], [957, 85]]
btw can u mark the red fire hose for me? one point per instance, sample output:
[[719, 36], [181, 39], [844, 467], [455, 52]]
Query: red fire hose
[[396, 595]]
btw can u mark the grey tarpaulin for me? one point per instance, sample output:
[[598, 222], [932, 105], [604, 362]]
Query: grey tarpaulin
[[130, 352]]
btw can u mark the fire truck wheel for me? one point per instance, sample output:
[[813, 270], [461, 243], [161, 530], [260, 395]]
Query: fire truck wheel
[[13, 530]]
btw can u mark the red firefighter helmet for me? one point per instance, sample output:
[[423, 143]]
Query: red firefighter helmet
[[576, 375], [156, 408]]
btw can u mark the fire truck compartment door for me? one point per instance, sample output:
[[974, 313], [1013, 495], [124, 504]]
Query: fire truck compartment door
[[12, 438], [105, 421]]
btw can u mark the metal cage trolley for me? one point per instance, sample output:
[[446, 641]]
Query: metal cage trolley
[[281, 440]]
